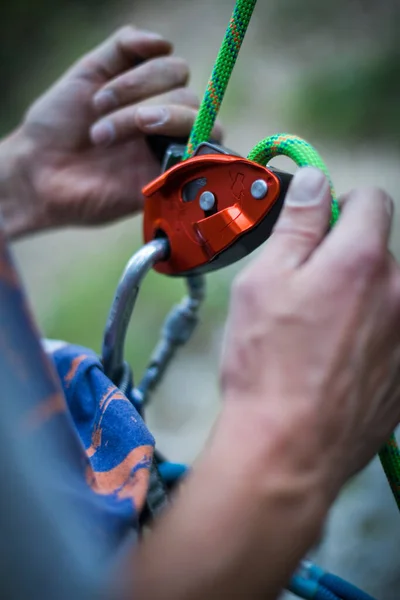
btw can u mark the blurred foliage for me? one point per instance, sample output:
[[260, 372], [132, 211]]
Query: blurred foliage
[[351, 102], [347, 22], [38, 39], [350, 88]]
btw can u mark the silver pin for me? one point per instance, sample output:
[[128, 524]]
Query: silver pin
[[207, 200], [259, 189]]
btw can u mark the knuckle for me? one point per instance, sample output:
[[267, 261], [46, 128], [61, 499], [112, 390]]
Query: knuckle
[[373, 195], [378, 196], [187, 97], [244, 290], [130, 81], [376, 193], [125, 32], [248, 291], [362, 261], [169, 71], [126, 120], [308, 235], [289, 226], [370, 255], [179, 66]]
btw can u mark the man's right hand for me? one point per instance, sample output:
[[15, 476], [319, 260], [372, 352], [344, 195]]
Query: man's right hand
[[311, 386], [313, 336]]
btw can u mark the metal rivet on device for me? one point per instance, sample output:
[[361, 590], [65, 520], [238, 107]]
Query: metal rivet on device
[[207, 200], [259, 189]]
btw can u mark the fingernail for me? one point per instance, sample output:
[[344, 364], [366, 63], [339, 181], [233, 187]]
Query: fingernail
[[105, 100], [103, 133], [150, 116], [308, 187]]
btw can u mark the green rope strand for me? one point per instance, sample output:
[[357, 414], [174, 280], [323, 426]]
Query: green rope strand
[[300, 151], [220, 76]]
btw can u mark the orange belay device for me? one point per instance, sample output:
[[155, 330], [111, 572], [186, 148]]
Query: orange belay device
[[213, 208], [200, 214]]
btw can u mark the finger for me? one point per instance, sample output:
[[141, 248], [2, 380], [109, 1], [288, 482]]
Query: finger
[[182, 95], [187, 97], [178, 121], [126, 123], [119, 52], [362, 232], [303, 222], [151, 78]]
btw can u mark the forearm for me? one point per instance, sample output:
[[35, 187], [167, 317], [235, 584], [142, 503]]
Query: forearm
[[241, 523], [19, 209]]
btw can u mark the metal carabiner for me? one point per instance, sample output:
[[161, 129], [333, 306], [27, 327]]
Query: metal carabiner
[[178, 326], [124, 301]]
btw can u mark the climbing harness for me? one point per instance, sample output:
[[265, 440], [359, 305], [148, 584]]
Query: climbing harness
[[209, 208]]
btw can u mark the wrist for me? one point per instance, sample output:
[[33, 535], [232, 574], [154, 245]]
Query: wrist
[[241, 522], [20, 208], [275, 489], [275, 454], [284, 435]]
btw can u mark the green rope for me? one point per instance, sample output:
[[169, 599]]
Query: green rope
[[220, 76], [300, 151]]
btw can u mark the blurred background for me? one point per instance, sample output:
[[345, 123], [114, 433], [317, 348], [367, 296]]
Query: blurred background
[[329, 72]]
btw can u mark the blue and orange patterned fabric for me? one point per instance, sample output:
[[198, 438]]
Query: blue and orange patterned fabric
[[118, 446], [74, 460]]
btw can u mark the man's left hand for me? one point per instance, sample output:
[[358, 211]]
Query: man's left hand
[[81, 156]]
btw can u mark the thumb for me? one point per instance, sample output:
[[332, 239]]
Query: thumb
[[304, 220]]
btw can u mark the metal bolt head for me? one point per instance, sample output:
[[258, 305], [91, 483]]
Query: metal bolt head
[[259, 189], [207, 200]]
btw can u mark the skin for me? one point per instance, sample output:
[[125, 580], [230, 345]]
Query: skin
[[59, 167], [310, 365], [310, 380]]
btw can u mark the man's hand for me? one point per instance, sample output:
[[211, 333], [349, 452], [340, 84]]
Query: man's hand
[[311, 386], [313, 336], [81, 155]]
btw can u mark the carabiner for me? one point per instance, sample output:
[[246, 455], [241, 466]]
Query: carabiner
[[178, 326], [123, 304]]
